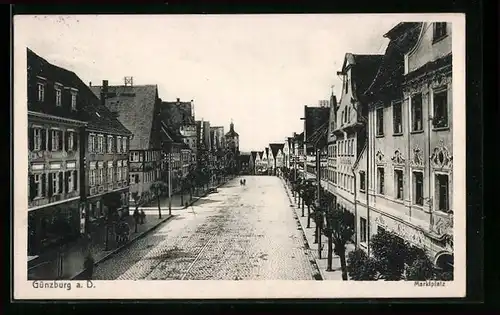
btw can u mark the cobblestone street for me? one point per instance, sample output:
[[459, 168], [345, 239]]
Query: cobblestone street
[[239, 233]]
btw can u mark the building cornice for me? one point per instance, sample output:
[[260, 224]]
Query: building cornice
[[56, 118]]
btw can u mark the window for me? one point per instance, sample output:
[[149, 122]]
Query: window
[[440, 119], [35, 186], [398, 177], [380, 121], [73, 100], [71, 141], [110, 175], [110, 144], [41, 92], [124, 171], [55, 182], [92, 145], [397, 120], [418, 182], [118, 173], [100, 144], [416, 112], [69, 182], [92, 177], [56, 139], [442, 192], [75, 180], [362, 230], [439, 30], [380, 173], [124, 145], [101, 176], [58, 96], [37, 139], [118, 144], [362, 181]]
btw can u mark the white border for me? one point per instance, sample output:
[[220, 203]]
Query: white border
[[23, 288]]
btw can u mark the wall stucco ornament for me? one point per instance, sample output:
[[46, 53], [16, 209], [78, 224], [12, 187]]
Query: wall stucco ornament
[[379, 157], [380, 221], [441, 158], [398, 158], [417, 160]]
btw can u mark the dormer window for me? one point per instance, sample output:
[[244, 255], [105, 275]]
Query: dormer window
[[73, 100], [41, 92], [58, 95], [439, 29]]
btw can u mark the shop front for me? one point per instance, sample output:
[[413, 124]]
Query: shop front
[[52, 226]]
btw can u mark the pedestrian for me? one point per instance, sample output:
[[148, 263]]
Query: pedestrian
[[88, 265], [137, 217], [143, 216]]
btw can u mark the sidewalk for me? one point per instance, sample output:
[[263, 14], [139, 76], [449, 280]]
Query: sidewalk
[[336, 273], [176, 200], [47, 265]]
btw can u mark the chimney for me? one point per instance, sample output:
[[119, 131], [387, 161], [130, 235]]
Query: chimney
[[178, 100], [104, 91], [90, 83]]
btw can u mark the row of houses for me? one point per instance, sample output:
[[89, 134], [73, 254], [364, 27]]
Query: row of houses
[[88, 141], [385, 148]]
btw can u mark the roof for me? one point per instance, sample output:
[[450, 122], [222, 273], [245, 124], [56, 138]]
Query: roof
[[390, 74], [182, 110], [254, 155], [174, 117], [261, 154], [135, 107], [314, 118], [89, 107], [364, 70], [275, 147], [231, 132], [244, 158], [266, 152], [319, 137]]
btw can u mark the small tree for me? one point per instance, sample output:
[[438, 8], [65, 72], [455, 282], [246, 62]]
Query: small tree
[[339, 230], [159, 188], [112, 201], [391, 252], [308, 198]]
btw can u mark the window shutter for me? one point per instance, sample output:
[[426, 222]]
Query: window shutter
[[60, 144], [32, 186], [66, 141], [75, 180], [51, 189], [75, 141], [49, 143], [44, 178], [66, 181], [31, 138], [43, 135], [61, 179]]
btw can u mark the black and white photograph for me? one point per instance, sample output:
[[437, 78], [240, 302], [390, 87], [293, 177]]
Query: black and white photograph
[[280, 156]]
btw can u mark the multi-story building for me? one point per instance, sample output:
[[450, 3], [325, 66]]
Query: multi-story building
[[315, 118], [217, 137], [179, 115], [137, 107], [331, 163], [107, 147], [55, 132], [277, 156], [410, 174]]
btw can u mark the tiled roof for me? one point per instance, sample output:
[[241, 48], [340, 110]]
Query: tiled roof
[[261, 154], [182, 111], [89, 108], [275, 147], [244, 158], [267, 152], [315, 117], [391, 71], [175, 117], [135, 107]]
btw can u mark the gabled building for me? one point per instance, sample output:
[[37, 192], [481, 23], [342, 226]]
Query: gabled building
[[258, 162], [253, 161], [331, 172], [179, 116], [409, 170], [277, 154], [137, 107]]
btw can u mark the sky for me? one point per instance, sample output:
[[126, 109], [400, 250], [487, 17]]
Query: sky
[[258, 70]]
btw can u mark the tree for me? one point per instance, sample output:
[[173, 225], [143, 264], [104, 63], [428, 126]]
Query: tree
[[159, 187], [361, 267], [339, 230], [391, 252], [308, 199], [112, 201]]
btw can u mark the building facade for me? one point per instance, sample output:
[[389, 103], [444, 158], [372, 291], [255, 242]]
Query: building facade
[[410, 173], [137, 107]]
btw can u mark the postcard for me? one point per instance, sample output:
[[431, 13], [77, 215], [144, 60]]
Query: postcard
[[239, 156]]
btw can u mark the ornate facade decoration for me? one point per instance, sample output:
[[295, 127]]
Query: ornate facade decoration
[[380, 221], [398, 158], [379, 157], [417, 160], [441, 158]]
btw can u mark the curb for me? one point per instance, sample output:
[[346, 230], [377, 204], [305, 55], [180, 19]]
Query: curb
[[314, 263], [118, 249]]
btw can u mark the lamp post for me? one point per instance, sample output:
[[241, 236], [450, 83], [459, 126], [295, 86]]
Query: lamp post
[[170, 180]]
